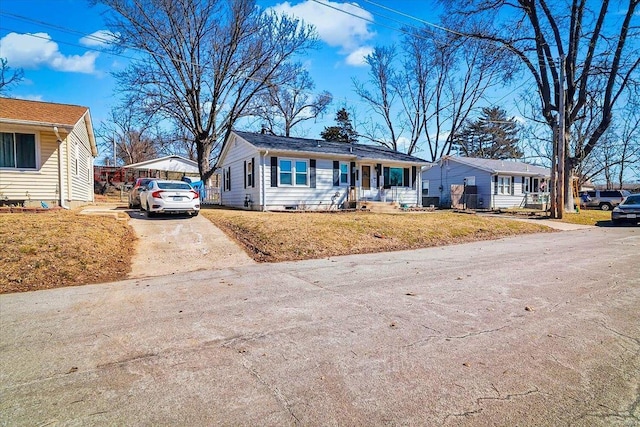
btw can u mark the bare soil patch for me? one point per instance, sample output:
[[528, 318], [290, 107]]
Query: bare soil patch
[[274, 237], [62, 248]]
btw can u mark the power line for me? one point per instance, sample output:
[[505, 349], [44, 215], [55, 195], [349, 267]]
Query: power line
[[371, 21], [406, 15]]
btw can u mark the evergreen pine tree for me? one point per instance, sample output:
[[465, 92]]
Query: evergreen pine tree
[[491, 136], [343, 130]]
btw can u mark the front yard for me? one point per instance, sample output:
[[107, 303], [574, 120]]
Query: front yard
[[274, 237], [64, 248]]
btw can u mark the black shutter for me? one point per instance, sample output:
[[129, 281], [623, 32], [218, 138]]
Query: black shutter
[[229, 178], [406, 177], [253, 172], [336, 173], [513, 181], [353, 174], [378, 173], [312, 173], [387, 184], [274, 171], [495, 184], [245, 174], [413, 176]]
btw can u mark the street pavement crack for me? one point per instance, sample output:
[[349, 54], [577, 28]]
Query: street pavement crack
[[274, 390]]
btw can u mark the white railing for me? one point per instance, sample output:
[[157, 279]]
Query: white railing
[[210, 196]]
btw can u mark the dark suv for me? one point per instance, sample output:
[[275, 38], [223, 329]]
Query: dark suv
[[134, 194], [603, 199]]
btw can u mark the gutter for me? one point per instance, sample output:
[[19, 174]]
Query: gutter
[[60, 178]]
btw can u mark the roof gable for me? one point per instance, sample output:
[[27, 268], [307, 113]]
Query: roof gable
[[20, 110], [315, 146]]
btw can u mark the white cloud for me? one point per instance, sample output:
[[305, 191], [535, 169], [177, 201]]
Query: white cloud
[[357, 57], [38, 50], [334, 27], [100, 38], [30, 97]]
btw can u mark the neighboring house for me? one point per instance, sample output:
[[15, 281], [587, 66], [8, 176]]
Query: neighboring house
[[485, 183], [46, 153], [266, 172]]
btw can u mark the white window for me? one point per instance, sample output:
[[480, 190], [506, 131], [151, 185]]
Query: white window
[[249, 174], [227, 178], [17, 150], [294, 172], [344, 173], [504, 185], [470, 180], [76, 158], [425, 187]]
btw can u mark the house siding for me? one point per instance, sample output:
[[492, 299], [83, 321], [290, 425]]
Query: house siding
[[239, 153], [452, 173], [81, 178], [33, 186], [42, 184], [323, 196]]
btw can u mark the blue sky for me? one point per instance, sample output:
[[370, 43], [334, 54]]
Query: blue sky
[[48, 39]]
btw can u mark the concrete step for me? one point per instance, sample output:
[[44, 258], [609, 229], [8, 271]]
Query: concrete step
[[379, 207]]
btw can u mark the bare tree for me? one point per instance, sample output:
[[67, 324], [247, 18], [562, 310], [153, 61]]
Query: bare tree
[[385, 83], [133, 134], [591, 41], [282, 107], [201, 62], [440, 82], [9, 77]]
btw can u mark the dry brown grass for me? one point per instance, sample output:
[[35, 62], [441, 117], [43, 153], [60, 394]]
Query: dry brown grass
[[63, 248], [273, 237], [588, 217]]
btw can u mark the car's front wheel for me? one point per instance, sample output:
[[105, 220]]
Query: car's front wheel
[[195, 213]]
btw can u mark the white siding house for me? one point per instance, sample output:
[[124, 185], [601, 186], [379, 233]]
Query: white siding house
[[487, 183], [46, 153], [267, 172]]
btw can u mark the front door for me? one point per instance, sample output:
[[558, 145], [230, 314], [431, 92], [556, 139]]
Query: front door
[[366, 177]]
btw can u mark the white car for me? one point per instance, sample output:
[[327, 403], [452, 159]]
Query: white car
[[164, 196]]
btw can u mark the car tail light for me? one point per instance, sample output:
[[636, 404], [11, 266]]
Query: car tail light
[[157, 194], [195, 194]]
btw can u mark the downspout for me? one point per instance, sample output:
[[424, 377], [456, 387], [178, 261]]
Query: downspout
[[60, 178], [263, 184]]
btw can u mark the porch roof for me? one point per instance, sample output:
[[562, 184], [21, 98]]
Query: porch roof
[[337, 149]]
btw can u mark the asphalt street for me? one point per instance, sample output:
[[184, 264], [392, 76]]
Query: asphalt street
[[537, 330]]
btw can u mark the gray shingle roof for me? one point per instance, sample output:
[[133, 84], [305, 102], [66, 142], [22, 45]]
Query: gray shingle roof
[[501, 166], [304, 145]]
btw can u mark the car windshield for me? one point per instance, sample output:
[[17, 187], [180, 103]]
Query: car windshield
[[632, 200], [174, 186]]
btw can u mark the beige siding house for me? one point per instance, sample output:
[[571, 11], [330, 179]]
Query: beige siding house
[[46, 154]]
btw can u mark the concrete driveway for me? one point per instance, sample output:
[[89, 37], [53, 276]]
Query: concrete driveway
[[175, 244], [537, 330]]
